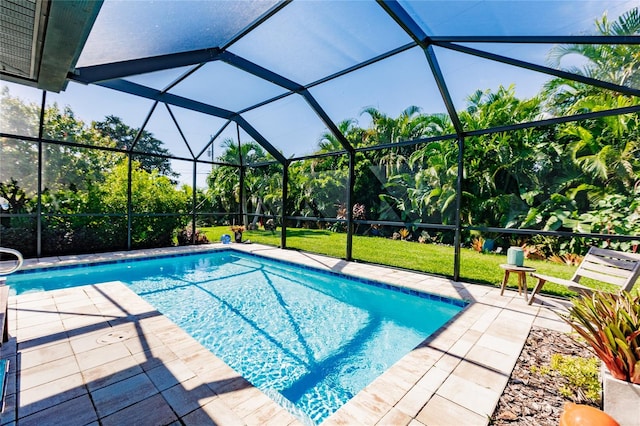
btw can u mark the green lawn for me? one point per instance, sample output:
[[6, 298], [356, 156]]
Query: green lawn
[[430, 258]]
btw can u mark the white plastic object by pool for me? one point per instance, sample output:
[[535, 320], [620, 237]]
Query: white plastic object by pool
[[19, 263]]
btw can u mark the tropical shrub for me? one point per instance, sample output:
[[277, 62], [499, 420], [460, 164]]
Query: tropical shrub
[[21, 238], [186, 237], [610, 324]]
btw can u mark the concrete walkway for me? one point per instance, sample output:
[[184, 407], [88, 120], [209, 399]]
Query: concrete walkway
[[101, 355]]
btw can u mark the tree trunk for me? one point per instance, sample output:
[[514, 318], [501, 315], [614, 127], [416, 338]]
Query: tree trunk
[[257, 215], [245, 217]]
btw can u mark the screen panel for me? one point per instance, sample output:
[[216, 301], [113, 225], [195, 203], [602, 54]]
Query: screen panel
[[306, 41], [290, 125], [19, 109], [521, 18], [18, 190], [126, 30], [162, 135], [399, 92], [227, 87]]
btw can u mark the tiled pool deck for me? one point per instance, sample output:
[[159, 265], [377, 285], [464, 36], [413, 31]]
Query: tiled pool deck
[[101, 355]]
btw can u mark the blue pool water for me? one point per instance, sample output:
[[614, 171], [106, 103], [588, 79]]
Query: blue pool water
[[309, 339]]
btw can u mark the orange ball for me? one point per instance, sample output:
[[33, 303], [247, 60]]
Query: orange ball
[[585, 415]]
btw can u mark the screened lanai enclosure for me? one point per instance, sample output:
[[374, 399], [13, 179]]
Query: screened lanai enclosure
[[462, 124]]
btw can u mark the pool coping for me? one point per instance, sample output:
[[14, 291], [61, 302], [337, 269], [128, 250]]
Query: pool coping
[[454, 377]]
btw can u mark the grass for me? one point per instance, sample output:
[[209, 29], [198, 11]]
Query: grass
[[430, 258]]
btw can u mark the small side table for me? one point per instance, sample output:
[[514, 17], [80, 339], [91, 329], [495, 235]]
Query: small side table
[[522, 277]]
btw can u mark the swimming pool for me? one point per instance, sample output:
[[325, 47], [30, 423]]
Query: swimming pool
[[310, 339]]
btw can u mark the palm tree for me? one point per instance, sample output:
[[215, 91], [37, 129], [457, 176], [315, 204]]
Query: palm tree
[[409, 125], [497, 167], [618, 64], [435, 181], [330, 143], [604, 153], [260, 183], [607, 150]]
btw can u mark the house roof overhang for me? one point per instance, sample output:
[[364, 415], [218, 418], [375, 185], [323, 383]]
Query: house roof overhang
[[41, 40]]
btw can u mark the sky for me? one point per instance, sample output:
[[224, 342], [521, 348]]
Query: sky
[[305, 41]]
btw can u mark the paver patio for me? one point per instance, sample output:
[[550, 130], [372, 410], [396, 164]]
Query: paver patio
[[102, 354]]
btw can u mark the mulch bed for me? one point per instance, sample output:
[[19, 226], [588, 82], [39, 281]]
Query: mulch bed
[[533, 398]]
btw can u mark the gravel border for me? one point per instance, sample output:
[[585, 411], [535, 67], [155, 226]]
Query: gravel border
[[533, 399]]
